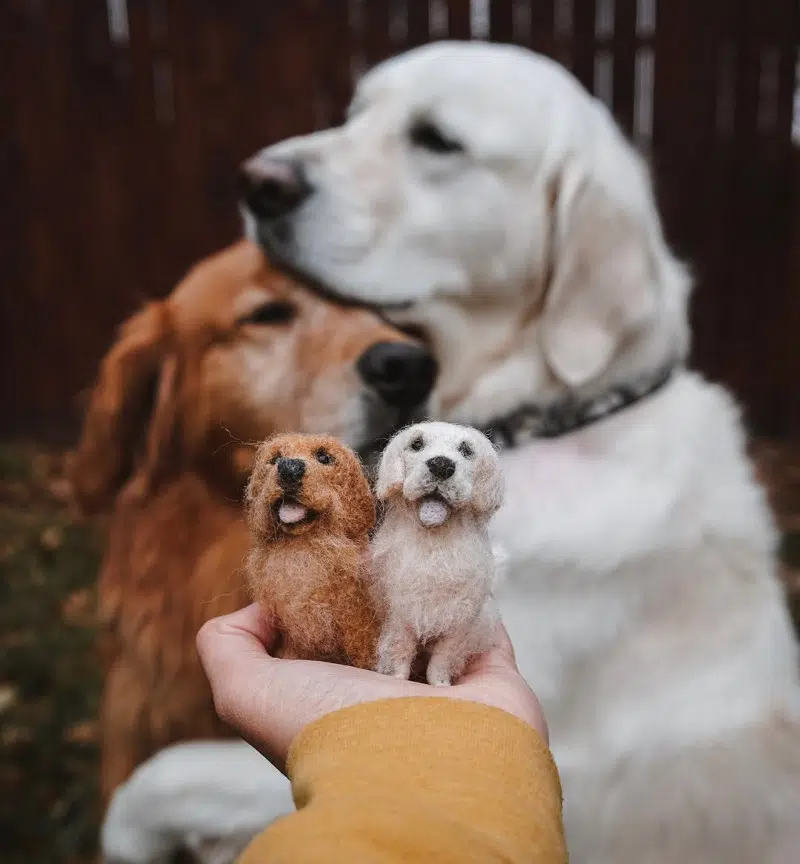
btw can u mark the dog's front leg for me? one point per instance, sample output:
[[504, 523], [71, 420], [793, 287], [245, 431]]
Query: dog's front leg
[[449, 656], [397, 648]]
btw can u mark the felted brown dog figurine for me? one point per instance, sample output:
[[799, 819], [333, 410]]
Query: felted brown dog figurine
[[310, 510]]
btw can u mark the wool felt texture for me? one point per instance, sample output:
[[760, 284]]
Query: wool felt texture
[[310, 510], [433, 563]]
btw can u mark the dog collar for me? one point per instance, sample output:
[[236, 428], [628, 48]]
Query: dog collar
[[531, 422]]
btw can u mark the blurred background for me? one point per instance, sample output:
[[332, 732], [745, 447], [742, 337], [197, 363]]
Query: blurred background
[[123, 122]]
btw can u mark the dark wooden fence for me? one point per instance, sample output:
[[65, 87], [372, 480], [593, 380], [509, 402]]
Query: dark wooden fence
[[123, 121]]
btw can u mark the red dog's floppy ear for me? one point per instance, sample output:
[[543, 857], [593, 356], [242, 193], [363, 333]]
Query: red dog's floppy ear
[[360, 506], [131, 413]]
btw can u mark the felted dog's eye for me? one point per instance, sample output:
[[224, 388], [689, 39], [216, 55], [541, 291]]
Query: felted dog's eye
[[465, 450], [274, 460], [417, 444], [323, 457]]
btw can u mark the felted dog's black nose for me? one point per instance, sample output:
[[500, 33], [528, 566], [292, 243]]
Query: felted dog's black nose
[[401, 373], [441, 467], [271, 188], [290, 472]]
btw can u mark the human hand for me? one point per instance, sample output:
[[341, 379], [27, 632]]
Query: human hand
[[269, 701]]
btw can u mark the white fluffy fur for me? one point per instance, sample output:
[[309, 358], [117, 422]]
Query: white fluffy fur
[[642, 598], [435, 583], [208, 797]]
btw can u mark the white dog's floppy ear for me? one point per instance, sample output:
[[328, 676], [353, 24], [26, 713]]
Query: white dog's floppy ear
[[489, 485], [601, 287], [391, 470]]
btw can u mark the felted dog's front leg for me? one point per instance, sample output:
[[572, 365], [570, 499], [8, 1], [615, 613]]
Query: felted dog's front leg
[[396, 649], [449, 656]]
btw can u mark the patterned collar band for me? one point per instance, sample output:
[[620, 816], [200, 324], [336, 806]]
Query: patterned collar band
[[531, 422]]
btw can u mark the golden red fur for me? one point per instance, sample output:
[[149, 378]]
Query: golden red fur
[[309, 567], [237, 352]]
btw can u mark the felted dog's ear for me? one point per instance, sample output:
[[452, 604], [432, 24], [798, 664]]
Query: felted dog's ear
[[602, 285], [391, 470], [489, 486], [258, 517]]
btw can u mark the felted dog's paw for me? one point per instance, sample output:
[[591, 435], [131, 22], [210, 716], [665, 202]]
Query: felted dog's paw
[[387, 666], [439, 675]]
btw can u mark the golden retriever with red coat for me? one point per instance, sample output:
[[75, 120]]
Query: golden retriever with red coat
[[236, 353]]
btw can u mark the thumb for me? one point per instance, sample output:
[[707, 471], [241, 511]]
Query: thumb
[[500, 657], [229, 645]]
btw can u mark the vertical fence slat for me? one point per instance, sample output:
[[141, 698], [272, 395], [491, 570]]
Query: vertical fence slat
[[679, 92], [542, 36], [746, 216], [459, 19], [711, 174], [17, 28], [624, 50], [583, 50], [377, 41], [152, 211], [787, 393], [764, 213], [418, 16], [501, 21], [334, 49]]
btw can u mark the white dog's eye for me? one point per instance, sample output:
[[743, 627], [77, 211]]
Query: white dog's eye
[[429, 137], [465, 450], [417, 444]]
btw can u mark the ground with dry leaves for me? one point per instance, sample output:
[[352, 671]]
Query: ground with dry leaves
[[49, 672]]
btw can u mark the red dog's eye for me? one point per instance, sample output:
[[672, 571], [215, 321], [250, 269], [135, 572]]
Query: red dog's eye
[[323, 457]]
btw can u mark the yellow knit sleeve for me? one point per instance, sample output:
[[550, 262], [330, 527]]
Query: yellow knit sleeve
[[418, 780]]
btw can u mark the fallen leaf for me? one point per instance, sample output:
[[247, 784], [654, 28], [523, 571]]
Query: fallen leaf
[[52, 538], [60, 489], [82, 733], [16, 735], [8, 697], [78, 607]]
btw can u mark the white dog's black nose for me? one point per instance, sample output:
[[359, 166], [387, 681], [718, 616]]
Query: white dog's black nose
[[290, 472], [402, 374], [272, 188], [441, 467]]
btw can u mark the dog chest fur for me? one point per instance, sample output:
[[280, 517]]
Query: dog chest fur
[[447, 571]]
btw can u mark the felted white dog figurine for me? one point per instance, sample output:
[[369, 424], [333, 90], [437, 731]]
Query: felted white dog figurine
[[434, 566]]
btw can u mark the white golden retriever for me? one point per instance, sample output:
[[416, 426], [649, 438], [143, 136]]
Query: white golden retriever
[[480, 193]]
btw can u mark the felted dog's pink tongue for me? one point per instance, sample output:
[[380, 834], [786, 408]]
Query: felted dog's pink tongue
[[433, 512], [291, 513]]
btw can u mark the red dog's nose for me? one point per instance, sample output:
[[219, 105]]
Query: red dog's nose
[[290, 472]]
